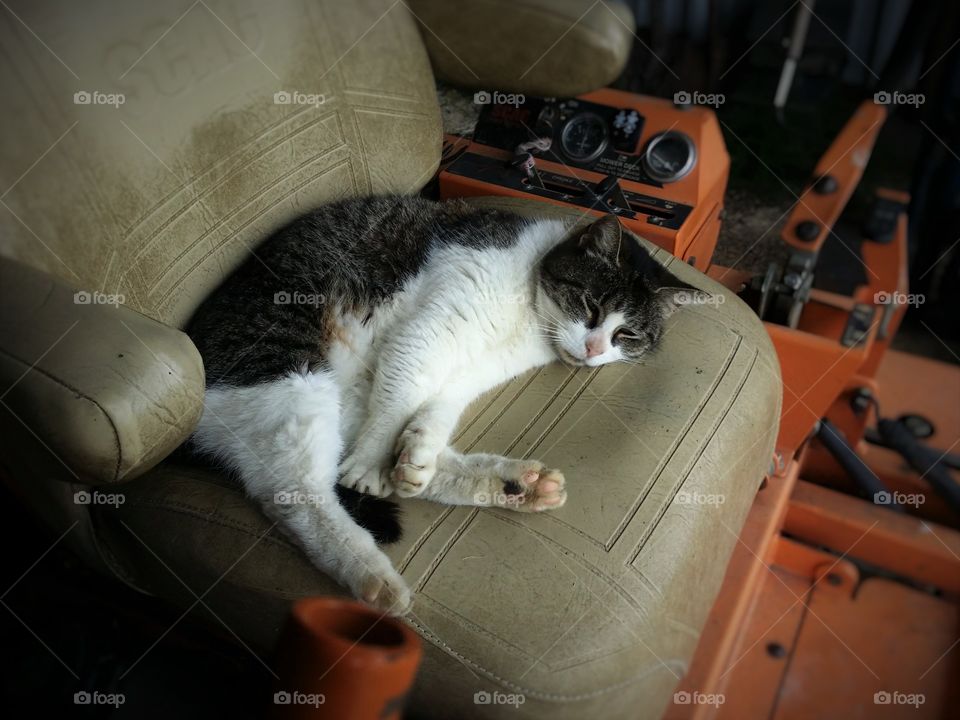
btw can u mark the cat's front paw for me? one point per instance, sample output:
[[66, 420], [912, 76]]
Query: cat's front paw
[[417, 450], [530, 487], [371, 477]]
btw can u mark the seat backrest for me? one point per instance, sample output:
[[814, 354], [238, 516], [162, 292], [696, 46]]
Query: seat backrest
[[149, 145]]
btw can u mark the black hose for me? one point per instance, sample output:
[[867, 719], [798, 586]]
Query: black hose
[[921, 458], [856, 468]]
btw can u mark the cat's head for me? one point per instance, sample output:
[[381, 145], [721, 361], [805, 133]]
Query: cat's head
[[603, 298]]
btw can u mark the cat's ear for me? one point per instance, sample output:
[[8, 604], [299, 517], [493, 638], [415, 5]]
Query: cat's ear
[[672, 298], [606, 239]]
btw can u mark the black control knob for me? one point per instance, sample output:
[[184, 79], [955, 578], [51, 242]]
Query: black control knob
[[825, 184], [807, 230]]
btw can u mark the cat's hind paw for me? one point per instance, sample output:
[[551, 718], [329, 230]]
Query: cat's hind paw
[[530, 487], [370, 480], [417, 450]]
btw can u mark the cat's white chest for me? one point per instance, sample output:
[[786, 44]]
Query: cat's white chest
[[503, 343]]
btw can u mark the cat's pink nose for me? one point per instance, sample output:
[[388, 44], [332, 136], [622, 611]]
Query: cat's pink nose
[[594, 346]]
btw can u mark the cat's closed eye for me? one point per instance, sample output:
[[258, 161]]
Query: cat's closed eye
[[593, 311]]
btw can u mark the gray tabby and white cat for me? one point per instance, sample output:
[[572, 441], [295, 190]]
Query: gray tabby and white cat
[[348, 346]]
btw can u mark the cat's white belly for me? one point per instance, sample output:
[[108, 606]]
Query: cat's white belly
[[464, 325], [460, 370]]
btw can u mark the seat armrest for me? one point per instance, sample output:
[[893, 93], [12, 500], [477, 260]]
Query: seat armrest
[[537, 47], [90, 391]]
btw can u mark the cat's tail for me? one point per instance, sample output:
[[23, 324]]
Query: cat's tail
[[379, 516], [282, 439]]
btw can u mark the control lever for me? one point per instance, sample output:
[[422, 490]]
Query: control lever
[[921, 458], [837, 445], [524, 160], [608, 192]]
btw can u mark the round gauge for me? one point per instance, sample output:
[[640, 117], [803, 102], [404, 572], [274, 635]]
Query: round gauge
[[669, 156], [584, 137]]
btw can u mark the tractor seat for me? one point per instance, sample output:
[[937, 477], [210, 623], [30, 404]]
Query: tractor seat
[[591, 610]]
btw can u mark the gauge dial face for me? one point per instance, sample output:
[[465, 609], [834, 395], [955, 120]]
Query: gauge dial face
[[669, 156], [585, 137]]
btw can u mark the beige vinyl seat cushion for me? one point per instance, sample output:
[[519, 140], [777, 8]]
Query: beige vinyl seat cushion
[[591, 610], [237, 118]]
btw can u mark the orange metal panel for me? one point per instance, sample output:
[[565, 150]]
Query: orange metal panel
[[845, 160], [880, 652], [814, 371], [745, 575], [912, 548], [754, 674]]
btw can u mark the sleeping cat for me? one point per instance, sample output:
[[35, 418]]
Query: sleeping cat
[[348, 345]]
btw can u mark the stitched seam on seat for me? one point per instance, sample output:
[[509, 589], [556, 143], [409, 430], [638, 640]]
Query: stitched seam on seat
[[653, 526], [558, 417], [424, 536], [241, 166], [527, 691], [247, 203], [682, 436], [499, 415], [247, 144], [451, 541], [604, 577], [78, 393], [467, 623], [216, 519], [193, 511]]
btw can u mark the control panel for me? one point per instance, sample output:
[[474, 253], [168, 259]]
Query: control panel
[[661, 168]]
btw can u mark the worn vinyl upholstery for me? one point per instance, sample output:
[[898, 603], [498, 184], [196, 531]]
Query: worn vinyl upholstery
[[590, 611], [157, 198], [160, 197], [107, 406], [538, 47]]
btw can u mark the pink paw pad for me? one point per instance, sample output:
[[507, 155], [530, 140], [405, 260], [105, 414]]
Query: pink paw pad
[[548, 486]]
